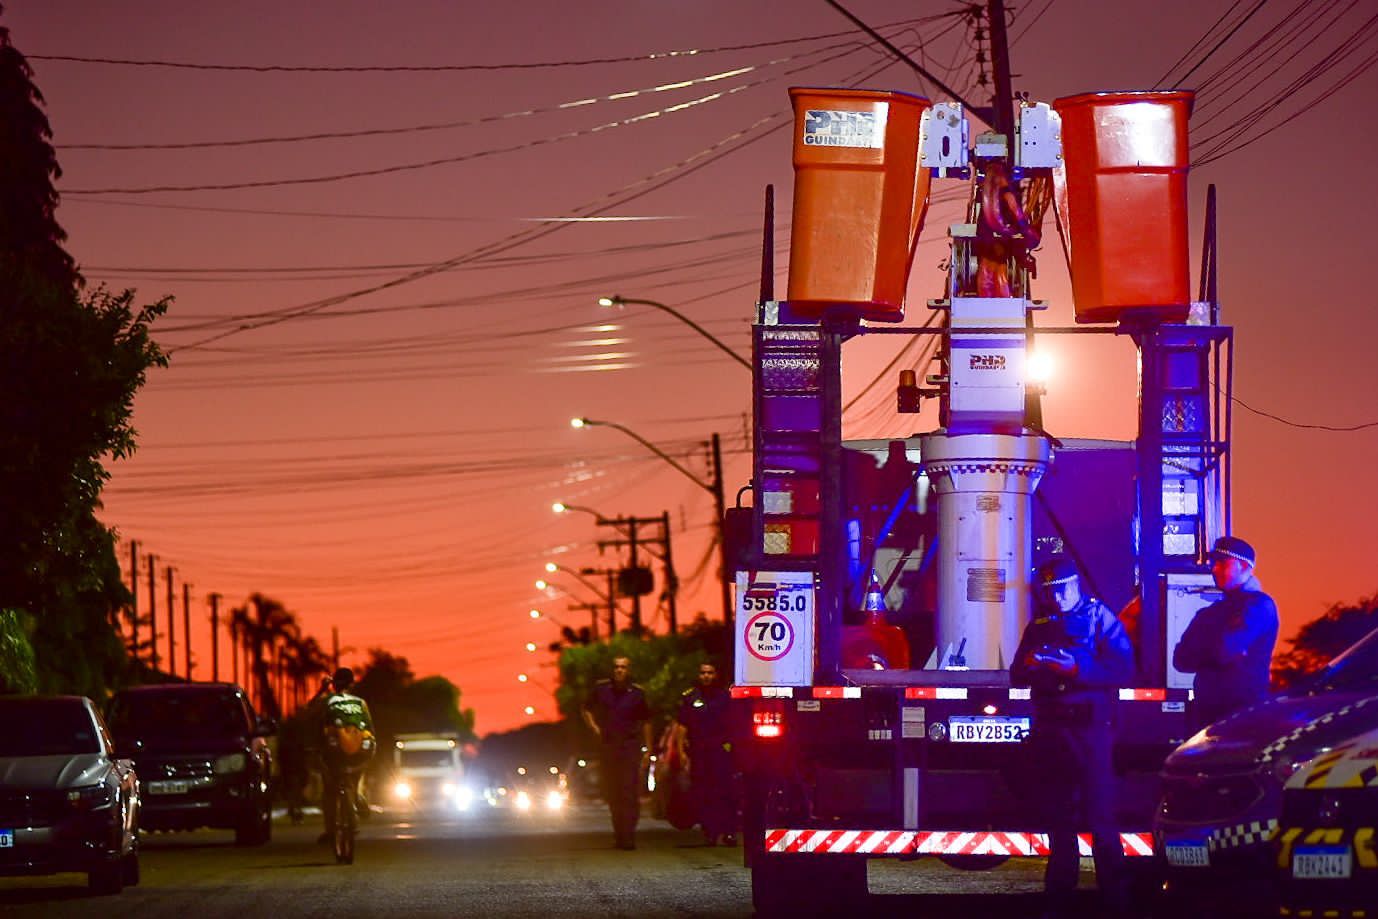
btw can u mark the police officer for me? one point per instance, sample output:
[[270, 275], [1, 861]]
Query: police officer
[[1229, 644], [1074, 655], [705, 746], [617, 712]]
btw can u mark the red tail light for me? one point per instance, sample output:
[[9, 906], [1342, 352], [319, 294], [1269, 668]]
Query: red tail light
[[767, 724]]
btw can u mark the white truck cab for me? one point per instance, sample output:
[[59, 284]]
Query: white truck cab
[[428, 771]]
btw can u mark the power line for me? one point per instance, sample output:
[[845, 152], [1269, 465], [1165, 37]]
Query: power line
[[450, 68]]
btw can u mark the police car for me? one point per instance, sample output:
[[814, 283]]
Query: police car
[[1222, 790], [1327, 854]]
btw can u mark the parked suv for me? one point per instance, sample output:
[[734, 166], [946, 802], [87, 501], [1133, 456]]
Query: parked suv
[[202, 757]]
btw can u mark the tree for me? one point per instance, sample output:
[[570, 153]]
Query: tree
[[69, 367], [1323, 638], [402, 704], [663, 665]]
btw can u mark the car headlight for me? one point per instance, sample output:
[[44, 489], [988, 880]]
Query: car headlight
[[91, 797], [554, 801], [523, 801], [463, 797], [401, 790], [226, 765]]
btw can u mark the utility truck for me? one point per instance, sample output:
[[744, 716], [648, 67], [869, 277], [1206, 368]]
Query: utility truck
[[885, 584]]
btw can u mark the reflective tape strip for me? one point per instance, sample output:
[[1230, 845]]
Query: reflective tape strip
[[1024, 693], [935, 692], [837, 692], [762, 692], [935, 842], [1143, 695]]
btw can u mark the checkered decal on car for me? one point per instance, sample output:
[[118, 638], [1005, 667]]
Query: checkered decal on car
[[1280, 745], [1242, 835]]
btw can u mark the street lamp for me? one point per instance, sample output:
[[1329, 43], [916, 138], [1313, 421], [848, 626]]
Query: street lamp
[[616, 300], [561, 507], [713, 486]]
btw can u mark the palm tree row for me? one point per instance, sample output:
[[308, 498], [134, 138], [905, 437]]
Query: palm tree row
[[280, 663]]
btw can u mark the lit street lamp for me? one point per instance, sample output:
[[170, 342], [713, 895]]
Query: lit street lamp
[[616, 300], [713, 486]]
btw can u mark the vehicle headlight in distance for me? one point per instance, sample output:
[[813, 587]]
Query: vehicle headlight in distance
[[447, 789], [91, 797], [523, 801], [401, 790], [464, 797], [554, 800], [225, 765]]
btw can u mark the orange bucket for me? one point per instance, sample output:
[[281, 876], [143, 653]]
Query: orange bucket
[[859, 200], [1124, 203]]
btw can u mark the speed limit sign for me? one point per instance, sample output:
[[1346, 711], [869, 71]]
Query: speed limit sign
[[775, 628]]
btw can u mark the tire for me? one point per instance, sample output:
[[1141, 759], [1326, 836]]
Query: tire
[[107, 878], [256, 827], [130, 867], [790, 885], [973, 862], [346, 819]]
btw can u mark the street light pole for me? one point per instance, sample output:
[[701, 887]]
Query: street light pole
[[713, 486], [617, 300]]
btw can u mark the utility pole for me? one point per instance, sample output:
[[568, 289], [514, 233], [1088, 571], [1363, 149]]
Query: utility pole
[[234, 653], [171, 624], [334, 648], [612, 604], [134, 599], [631, 563], [720, 509], [593, 610], [186, 630], [215, 637], [1002, 103], [671, 579], [152, 612]]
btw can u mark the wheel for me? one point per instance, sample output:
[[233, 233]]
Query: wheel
[[973, 862], [345, 822], [106, 878], [256, 827], [808, 884], [131, 869]]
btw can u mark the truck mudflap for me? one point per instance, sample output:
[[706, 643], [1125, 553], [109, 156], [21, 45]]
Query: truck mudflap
[[882, 843]]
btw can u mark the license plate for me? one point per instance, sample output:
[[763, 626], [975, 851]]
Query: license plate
[[1187, 856], [6, 839], [1322, 862], [167, 788], [986, 729]]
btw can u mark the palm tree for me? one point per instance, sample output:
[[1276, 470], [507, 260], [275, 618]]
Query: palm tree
[[305, 659], [267, 623]]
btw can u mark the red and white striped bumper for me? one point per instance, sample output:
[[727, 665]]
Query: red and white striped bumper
[[929, 842]]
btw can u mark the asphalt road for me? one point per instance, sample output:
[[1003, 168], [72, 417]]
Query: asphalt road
[[490, 865]]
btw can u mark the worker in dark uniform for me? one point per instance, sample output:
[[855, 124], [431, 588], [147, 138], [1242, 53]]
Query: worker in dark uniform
[[1074, 656], [617, 712], [705, 745], [1229, 644]]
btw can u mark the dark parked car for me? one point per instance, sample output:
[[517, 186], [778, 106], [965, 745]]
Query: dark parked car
[[1222, 789], [1327, 842], [66, 802], [202, 757]]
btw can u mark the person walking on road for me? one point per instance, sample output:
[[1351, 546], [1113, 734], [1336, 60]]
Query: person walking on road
[[703, 732], [1229, 644], [617, 712], [1074, 656]]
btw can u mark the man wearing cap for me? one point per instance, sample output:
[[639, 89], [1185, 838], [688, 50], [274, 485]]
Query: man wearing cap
[[1074, 656], [1229, 644]]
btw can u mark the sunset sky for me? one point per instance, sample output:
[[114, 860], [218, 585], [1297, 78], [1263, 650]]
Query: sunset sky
[[385, 314]]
